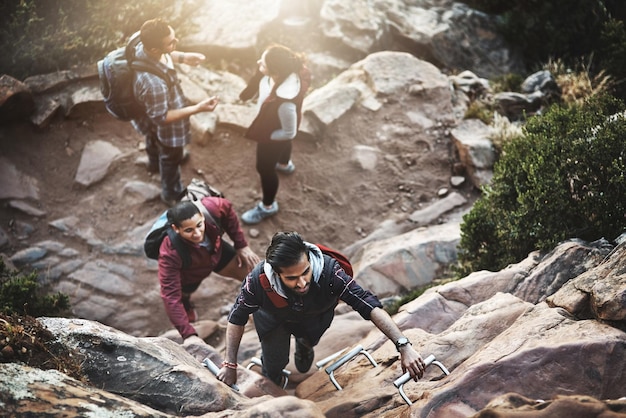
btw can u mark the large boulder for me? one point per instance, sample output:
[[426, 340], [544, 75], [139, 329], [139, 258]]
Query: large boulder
[[160, 373], [16, 100], [383, 80], [24, 390], [446, 33]]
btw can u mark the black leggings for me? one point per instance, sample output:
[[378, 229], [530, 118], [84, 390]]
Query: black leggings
[[267, 155]]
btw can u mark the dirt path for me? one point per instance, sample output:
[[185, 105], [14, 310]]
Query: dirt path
[[328, 199]]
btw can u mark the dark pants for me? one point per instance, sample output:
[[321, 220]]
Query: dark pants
[[267, 155], [275, 348], [276, 342], [168, 159]]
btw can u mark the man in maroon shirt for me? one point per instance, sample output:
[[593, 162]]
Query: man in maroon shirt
[[198, 232]]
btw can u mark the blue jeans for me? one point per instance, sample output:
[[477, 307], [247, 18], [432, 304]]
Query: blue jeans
[[168, 160]]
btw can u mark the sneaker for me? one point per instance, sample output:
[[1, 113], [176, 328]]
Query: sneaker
[[258, 213], [303, 356], [288, 168]]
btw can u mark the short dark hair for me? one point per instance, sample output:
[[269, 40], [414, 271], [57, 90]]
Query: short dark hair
[[285, 250], [152, 33], [181, 212]]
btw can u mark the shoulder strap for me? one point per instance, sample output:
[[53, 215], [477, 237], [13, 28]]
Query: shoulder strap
[[180, 247], [207, 214], [341, 258], [141, 65], [277, 300], [138, 64]]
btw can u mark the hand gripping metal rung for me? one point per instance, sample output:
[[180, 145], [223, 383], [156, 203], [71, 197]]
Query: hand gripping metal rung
[[215, 370], [352, 353], [399, 382], [254, 361]]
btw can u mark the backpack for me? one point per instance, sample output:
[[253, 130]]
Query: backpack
[[161, 228], [279, 301], [115, 72]]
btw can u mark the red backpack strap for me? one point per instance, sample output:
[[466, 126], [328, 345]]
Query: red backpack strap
[[277, 300], [341, 259]]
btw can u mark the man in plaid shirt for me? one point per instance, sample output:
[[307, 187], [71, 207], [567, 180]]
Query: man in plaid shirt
[[165, 124]]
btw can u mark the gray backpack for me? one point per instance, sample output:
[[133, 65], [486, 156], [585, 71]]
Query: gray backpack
[[115, 72]]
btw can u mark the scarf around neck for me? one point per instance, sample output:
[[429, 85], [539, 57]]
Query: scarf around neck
[[316, 259]]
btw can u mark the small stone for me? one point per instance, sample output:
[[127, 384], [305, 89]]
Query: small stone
[[7, 352], [457, 181]]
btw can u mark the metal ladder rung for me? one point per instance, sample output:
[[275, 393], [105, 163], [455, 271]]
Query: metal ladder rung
[[399, 382], [215, 370], [330, 370], [255, 361]]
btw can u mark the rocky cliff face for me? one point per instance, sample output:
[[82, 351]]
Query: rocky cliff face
[[521, 330], [549, 326]]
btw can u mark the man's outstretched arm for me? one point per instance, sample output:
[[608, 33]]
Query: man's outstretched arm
[[410, 359]]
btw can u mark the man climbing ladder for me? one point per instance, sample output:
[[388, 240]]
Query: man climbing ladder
[[311, 283]]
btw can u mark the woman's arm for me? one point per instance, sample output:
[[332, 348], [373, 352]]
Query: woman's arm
[[288, 121]]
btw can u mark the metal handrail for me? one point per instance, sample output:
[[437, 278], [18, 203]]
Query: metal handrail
[[399, 382], [215, 370], [255, 361]]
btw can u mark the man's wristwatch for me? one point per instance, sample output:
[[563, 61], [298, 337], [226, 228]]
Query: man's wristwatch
[[402, 341]]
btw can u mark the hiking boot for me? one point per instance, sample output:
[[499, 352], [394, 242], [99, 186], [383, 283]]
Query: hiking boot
[[304, 355], [288, 168], [258, 213]]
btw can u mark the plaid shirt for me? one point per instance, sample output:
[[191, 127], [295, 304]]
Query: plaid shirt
[[152, 91]]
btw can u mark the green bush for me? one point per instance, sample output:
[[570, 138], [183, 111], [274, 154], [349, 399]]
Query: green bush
[[507, 82], [479, 110], [42, 36], [612, 54], [22, 295], [565, 178]]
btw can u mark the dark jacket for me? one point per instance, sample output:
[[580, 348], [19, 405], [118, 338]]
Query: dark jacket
[[267, 120], [305, 316]]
